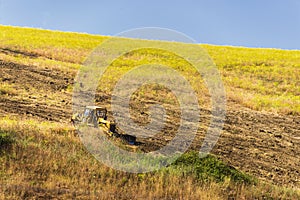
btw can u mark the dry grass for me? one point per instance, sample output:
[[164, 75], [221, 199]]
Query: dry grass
[[47, 160]]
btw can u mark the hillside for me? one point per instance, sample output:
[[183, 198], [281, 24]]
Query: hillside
[[42, 156]]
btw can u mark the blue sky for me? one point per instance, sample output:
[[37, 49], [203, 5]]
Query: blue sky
[[251, 23]]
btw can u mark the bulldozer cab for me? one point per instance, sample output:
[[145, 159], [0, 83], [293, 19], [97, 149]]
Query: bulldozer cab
[[91, 114]]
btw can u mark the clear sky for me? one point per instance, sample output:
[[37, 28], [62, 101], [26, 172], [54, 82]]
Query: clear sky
[[251, 23]]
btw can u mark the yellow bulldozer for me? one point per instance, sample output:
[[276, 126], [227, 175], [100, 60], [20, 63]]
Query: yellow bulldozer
[[96, 116]]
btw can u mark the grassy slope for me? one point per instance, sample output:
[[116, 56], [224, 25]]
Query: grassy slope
[[47, 159], [262, 79]]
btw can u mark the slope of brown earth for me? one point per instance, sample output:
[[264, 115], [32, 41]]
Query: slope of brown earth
[[264, 144]]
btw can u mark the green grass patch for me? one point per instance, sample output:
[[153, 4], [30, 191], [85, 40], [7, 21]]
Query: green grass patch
[[6, 138], [209, 168]]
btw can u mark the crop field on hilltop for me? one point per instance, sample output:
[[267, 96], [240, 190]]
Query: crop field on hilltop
[[257, 155]]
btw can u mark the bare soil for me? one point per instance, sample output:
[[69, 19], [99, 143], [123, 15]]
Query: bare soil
[[264, 144]]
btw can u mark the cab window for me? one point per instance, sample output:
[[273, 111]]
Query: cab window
[[86, 112]]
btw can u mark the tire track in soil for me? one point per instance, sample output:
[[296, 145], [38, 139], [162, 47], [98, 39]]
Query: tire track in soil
[[38, 78], [28, 77]]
